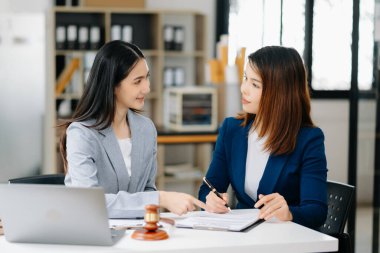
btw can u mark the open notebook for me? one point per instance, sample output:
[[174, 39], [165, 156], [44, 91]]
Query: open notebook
[[236, 220]]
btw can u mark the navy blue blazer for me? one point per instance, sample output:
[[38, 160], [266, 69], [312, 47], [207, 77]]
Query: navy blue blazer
[[299, 177]]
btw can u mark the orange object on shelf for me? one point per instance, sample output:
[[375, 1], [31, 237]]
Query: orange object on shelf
[[216, 71], [66, 75], [239, 61]]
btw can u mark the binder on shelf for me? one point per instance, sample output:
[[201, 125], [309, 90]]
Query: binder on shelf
[[179, 38], [174, 76], [66, 75], [179, 76], [66, 2], [83, 38], [168, 77], [116, 32], [64, 109], [168, 37], [127, 33], [72, 37], [60, 37], [94, 37]]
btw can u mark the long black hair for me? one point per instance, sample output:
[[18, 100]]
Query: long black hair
[[113, 62]]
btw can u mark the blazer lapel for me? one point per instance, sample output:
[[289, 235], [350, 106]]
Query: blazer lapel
[[271, 174], [138, 140], [113, 151]]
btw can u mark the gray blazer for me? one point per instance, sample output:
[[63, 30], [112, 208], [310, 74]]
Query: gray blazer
[[94, 159]]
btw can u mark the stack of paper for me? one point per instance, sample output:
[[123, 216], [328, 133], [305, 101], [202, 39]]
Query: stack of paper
[[235, 220]]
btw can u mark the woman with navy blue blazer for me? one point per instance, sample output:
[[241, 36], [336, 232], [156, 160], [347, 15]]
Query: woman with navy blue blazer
[[272, 154]]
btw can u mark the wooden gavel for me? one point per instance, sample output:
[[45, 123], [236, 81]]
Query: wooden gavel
[[151, 231]]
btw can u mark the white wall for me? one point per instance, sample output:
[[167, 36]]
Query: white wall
[[332, 116], [15, 6], [366, 150], [23, 57]]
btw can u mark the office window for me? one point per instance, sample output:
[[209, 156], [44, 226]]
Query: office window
[[293, 24], [366, 44], [253, 24], [257, 23], [332, 38]]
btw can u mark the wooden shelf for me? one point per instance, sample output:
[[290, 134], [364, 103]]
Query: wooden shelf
[[184, 138], [74, 52], [183, 54]]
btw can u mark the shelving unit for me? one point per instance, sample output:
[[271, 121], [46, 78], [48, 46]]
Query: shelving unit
[[202, 143], [148, 34]]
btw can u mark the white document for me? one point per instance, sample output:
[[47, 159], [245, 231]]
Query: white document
[[126, 222], [235, 220]]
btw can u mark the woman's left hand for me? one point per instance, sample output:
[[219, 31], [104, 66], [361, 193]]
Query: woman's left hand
[[273, 205]]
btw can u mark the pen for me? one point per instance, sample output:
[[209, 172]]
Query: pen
[[212, 188]]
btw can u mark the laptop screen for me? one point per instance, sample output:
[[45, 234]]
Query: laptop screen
[[54, 214]]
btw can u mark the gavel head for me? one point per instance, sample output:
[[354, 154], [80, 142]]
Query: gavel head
[[151, 217], [150, 231]]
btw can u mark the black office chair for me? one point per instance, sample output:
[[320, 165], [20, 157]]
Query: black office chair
[[339, 200], [40, 179]]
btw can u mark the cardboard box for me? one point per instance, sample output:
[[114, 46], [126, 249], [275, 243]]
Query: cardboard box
[[115, 3]]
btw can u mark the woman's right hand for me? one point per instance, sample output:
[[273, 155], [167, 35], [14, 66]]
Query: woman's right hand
[[179, 203], [214, 204]]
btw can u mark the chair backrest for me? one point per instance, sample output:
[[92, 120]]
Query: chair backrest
[[40, 179], [339, 200]]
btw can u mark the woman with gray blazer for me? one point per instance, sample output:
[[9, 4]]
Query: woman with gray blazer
[[107, 143]]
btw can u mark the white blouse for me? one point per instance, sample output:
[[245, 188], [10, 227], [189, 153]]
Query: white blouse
[[126, 149], [255, 164]]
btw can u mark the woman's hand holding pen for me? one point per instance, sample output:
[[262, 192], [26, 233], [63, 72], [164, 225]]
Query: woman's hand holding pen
[[215, 201], [214, 204], [273, 205]]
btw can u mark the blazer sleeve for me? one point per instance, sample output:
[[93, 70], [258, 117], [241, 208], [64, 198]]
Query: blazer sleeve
[[312, 210], [82, 151], [217, 172], [151, 184]]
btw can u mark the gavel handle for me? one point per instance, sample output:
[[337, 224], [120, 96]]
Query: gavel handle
[[123, 227], [168, 221]]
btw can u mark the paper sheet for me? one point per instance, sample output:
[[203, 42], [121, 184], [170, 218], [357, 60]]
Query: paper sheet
[[235, 220], [125, 222]]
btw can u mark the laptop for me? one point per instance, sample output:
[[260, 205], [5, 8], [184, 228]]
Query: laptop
[[55, 214]]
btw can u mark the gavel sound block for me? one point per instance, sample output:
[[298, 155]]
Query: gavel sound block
[[150, 231]]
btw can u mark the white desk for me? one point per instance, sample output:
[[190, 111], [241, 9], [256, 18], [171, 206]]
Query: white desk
[[267, 237]]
